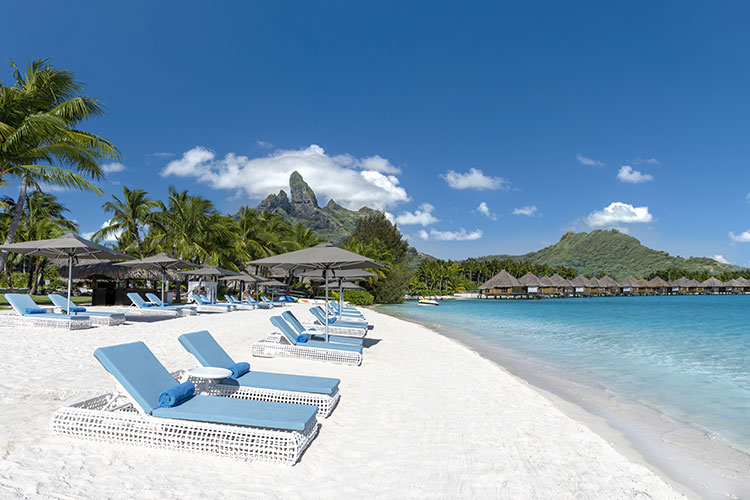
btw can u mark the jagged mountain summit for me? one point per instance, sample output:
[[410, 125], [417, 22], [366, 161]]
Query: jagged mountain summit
[[614, 253], [332, 222]]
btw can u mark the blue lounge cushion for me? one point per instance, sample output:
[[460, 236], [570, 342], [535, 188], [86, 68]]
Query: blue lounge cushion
[[147, 304], [77, 309], [208, 352], [35, 310], [302, 338], [176, 395], [239, 369]]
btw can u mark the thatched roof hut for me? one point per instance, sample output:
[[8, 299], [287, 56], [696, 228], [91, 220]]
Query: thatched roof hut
[[608, 282], [712, 282], [110, 271], [559, 281], [546, 282], [629, 282], [501, 280], [579, 281], [657, 282], [682, 283], [529, 279], [743, 281], [593, 283]]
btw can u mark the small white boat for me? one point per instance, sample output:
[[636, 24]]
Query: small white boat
[[427, 302]]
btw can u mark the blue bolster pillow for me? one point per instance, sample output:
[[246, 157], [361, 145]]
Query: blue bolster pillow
[[303, 338], [147, 304], [35, 310], [239, 369], [78, 309], [177, 394]]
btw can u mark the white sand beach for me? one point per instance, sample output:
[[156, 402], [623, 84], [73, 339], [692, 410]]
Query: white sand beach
[[423, 417]]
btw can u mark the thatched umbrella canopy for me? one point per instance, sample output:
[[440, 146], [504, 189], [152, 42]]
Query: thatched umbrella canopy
[[503, 279], [112, 271], [529, 279]]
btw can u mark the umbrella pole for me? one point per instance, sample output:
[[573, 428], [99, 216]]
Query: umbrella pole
[[325, 276], [70, 281], [163, 277], [341, 296]]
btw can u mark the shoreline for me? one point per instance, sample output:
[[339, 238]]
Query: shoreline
[[680, 453]]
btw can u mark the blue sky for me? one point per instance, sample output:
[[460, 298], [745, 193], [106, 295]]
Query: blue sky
[[574, 117]]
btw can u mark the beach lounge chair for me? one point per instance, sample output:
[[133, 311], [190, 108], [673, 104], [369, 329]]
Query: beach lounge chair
[[238, 303], [97, 318], [288, 344], [185, 310], [280, 387], [228, 427], [346, 315], [320, 318], [261, 305], [318, 333], [141, 307], [206, 305], [26, 312], [265, 300]]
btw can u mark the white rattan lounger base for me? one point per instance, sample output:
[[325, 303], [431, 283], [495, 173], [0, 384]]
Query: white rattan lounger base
[[276, 346], [165, 313], [213, 309], [65, 324], [112, 419], [325, 402], [101, 320], [344, 331]]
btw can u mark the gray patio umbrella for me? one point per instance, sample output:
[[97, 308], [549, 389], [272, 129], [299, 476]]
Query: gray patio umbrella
[[243, 278], [341, 275], [161, 262], [68, 245], [324, 257]]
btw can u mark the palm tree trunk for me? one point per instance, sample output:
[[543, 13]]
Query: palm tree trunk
[[38, 275], [16, 219]]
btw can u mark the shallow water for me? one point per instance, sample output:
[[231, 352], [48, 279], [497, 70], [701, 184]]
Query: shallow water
[[686, 356]]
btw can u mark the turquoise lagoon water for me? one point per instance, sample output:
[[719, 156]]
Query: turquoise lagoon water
[[685, 356]]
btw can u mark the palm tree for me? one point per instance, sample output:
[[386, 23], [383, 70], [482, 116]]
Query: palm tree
[[129, 217], [38, 116]]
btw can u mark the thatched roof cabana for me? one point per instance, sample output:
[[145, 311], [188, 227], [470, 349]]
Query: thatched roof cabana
[[630, 282], [111, 271], [608, 282], [501, 280], [546, 282], [742, 281], [579, 281], [559, 281], [682, 283], [657, 282], [529, 279], [712, 282]]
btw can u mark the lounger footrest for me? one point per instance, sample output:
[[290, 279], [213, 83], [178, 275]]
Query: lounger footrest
[[269, 348], [91, 420]]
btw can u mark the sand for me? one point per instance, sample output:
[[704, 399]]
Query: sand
[[423, 417]]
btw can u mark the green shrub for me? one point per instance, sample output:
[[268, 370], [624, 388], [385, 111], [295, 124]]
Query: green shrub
[[395, 286], [358, 297]]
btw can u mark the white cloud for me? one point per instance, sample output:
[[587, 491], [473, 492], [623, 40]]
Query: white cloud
[[423, 234], [474, 179], [344, 178], [390, 217], [589, 162], [110, 238], [379, 164], [747, 198], [460, 235], [421, 216], [264, 144], [110, 168], [720, 258], [164, 155], [627, 174], [53, 188], [485, 210], [619, 213], [528, 210], [647, 161], [743, 237]]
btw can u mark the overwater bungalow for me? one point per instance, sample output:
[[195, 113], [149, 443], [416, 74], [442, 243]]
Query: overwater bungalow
[[713, 285], [630, 286], [742, 285], [579, 284], [502, 284], [659, 286], [562, 284], [611, 287], [594, 287], [548, 288], [531, 282], [685, 286]]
